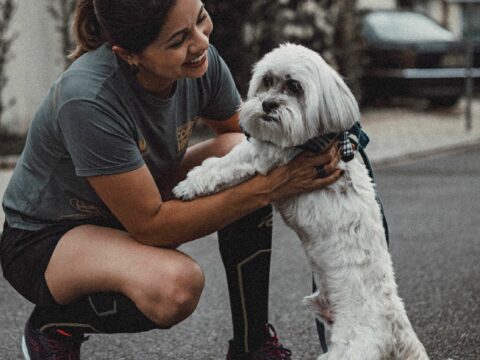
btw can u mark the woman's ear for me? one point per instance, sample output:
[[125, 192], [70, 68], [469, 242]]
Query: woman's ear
[[125, 55]]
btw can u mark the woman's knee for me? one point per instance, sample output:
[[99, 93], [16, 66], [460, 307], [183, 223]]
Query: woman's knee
[[187, 283], [175, 296], [184, 297]]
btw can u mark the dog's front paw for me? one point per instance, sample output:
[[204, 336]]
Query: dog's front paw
[[185, 190]]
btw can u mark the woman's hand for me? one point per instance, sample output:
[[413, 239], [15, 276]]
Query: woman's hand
[[302, 174]]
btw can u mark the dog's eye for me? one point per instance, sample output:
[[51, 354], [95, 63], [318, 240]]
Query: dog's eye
[[294, 86], [267, 81]]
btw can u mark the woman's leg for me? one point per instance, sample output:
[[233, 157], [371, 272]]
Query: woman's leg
[[150, 287], [245, 247], [161, 287]]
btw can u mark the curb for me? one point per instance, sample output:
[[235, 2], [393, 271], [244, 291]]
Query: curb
[[402, 159]]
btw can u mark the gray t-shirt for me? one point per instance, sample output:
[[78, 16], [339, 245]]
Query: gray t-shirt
[[98, 120]]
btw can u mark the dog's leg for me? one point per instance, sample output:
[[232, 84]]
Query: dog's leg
[[324, 356], [407, 345], [359, 331], [353, 352], [216, 174], [320, 305], [353, 342]]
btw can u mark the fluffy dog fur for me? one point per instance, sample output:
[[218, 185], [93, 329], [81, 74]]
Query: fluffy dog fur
[[294, 96]]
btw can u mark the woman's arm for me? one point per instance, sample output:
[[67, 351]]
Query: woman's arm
[[197, 153], [216, 146], [226, 126], [135, 200]]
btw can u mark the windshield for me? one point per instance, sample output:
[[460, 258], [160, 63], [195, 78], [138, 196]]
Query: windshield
[[403, 27]]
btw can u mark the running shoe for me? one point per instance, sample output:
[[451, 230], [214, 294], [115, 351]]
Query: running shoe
[[271, 349], [52, 345]]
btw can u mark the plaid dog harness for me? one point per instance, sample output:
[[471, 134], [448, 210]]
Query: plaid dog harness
[[321, 142]]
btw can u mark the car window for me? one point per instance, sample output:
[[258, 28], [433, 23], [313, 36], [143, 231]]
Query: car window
[[402, 27]]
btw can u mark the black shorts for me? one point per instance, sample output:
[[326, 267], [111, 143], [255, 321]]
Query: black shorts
[[24, 256]]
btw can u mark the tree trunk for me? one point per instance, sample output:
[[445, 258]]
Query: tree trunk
[[229, 18], [61, 12]]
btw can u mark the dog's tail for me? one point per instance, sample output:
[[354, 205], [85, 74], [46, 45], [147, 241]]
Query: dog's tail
[[407, 344]]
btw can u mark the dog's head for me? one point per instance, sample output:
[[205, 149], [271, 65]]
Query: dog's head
[[294, 95]]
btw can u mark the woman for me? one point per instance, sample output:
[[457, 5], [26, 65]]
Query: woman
[[91, 230]]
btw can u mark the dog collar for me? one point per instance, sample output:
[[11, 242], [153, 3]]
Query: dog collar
[[321, 142]]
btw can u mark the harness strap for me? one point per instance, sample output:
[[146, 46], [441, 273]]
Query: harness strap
[[321, 142]]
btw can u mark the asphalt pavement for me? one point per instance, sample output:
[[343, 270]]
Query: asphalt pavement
[[434, 217], [431, 202]]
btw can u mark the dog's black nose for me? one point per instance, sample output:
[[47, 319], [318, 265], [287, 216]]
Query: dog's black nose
[[269, 106]]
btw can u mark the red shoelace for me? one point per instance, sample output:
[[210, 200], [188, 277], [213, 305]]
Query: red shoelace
[[272, 349]]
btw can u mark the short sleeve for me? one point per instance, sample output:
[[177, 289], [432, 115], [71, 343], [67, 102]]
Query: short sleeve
[[224, 99], [98, 142]]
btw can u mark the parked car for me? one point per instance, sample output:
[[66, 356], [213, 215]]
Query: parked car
[[410, 54]]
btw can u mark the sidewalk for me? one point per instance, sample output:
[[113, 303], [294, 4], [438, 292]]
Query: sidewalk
[[402, 133], [396, 134]]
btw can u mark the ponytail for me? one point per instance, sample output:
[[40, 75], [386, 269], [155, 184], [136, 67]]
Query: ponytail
[[130, 24], [87, 31]]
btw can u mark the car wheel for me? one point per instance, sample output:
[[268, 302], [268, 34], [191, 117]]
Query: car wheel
[[447, 101]]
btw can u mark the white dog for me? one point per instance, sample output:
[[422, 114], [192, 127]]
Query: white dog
[[295, 96]]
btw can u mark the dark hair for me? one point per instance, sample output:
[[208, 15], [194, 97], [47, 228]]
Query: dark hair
[[130, 24]]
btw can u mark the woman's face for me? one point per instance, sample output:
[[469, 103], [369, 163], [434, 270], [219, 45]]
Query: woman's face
[[180, 51]]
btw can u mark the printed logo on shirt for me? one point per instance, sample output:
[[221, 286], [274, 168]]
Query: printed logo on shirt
[[142, 145], [86, 210], [184, 133]]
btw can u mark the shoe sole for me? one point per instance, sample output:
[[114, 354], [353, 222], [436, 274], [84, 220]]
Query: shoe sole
[[24, 349]]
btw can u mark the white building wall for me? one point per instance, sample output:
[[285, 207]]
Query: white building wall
[[376, 4], [35, 62], [455, 19]]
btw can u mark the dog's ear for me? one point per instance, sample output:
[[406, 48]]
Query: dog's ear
[[255, 80], [337, 108]]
